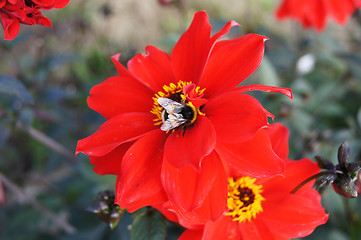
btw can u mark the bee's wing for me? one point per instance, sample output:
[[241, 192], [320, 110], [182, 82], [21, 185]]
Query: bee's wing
[[169, 105], [172, 122]]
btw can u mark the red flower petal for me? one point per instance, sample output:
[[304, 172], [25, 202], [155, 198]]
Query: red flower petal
[[254, 158], [122, 71], [235, 116], [221, 33], [279, 134], [314, 13], [294, 216], [297, 214], [260, 87], [190, 53], [61, 3], [188, 188], [11, 26], [341, 11], [139, 183], [191, 234], [224, 228], [111, 162], [154, 69], [185, 218], [41, 20], [231, 62], [212, 207], [296, 172], [120, 129], [164, 208], [118, 95], [257, 230], [198, 141]]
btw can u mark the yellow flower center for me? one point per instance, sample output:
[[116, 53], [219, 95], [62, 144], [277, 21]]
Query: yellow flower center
[[172, 108], [244, 199]]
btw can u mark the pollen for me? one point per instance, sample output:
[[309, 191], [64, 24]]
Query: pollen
[[244, 199]]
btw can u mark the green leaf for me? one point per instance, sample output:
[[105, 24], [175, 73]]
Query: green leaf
[[148, 225], [12, 86]]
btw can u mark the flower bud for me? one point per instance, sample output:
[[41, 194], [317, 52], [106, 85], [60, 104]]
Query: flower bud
[[103, 205]]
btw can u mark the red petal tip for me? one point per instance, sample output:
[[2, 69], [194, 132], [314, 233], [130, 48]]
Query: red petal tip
[[116, 57]]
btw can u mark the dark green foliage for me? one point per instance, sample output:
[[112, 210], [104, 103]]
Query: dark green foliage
[[148, 224]]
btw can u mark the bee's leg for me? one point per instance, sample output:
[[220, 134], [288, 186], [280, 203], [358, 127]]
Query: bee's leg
[[184, 130]]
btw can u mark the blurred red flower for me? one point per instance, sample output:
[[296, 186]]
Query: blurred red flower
[[314, 13], [264, 208], [14, 12], [170, 119]]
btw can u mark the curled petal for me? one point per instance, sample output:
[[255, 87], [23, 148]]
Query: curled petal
[[122, 71], [139, 183], [154, 69], [191, 146], [236, 117], [222, 32], [192, 96], [116, 131], [188, 188], [279, 134], [260, 87], [231, 62], [118, 95]]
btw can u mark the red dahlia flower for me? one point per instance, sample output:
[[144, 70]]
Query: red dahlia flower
[[171, 118], [14, 12], [264, 208], [314, 13]]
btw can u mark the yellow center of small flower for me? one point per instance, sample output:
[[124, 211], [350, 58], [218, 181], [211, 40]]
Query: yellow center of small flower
[[244, 199], [176, 105]]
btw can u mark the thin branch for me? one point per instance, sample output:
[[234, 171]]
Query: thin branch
[[32, 201], [49, 142]]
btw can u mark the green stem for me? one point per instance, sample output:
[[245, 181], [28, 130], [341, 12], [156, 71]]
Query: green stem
[[320, 174]]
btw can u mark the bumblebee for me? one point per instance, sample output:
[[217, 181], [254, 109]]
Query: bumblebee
[[176, 114]]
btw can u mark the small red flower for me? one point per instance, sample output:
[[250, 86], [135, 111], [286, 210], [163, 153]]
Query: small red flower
[[14, 12], [314, 13], [170, 120], [264, 208]]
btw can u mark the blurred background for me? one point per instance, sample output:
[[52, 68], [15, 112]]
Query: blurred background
[[48, 73]]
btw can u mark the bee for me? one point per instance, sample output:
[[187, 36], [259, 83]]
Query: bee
[[176, 114]]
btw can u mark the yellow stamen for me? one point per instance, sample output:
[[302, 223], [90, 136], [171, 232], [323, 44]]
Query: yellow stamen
[[244, 199]]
